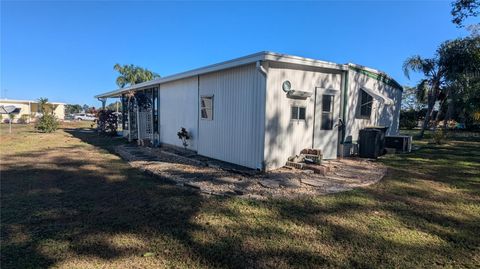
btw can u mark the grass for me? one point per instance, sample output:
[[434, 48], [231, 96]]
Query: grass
[[68, 202]]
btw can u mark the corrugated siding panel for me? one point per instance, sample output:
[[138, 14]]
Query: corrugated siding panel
[[236, 132], [381, 115], [179, 108], [284, 137]]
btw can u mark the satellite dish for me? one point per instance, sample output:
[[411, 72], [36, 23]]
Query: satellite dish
[[7, 109], [286, 86]]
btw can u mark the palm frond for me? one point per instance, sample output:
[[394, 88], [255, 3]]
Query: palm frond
[[414, 63], [422, 90], [121, 81], [131, 74], [118, 67]]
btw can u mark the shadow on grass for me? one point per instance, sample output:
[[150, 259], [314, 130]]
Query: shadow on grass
[[69, 203], [65, 204]]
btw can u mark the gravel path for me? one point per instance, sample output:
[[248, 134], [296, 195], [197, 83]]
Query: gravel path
[[218, 178]]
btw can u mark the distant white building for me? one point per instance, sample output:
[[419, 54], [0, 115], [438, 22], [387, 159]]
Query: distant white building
[[29, 110], [258, 110]]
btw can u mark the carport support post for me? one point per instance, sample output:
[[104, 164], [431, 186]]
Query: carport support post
[[103, 100], [138, 120]]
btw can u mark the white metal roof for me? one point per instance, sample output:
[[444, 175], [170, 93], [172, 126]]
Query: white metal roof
[[26, 101], [252, 58], [260, 56]]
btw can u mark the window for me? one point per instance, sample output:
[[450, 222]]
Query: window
[[366, 101], [298, 113], [206, 107], [327, 112]]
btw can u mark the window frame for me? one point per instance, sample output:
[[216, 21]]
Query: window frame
[[361, 105], [329, 113], [298, 108], [212, 97]]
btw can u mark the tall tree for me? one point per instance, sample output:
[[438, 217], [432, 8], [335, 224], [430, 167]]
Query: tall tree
[[462, 9], [452, 73], [461, 58], [44, 105], [72, 109], [411, 99], [116, 106], [131, 74], [430, 87], [85, 108]]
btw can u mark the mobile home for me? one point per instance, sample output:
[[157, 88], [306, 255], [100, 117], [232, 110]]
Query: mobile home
[[258, 110], [29, 110]]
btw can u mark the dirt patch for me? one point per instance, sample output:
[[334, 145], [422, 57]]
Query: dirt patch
[[216, 178]]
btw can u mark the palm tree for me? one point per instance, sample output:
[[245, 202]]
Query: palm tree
[[429, 88], [44, 106], [131, 75]]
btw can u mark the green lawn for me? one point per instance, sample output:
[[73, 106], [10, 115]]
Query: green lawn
[[66, 201]]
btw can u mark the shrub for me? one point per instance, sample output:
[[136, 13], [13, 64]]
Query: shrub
[[408, 124], [23, 119], [439, 136], [107, 122], [408, 119], [48, 123], [184, 136]]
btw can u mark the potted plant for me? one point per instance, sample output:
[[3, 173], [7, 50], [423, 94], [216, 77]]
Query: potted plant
[[184, 136]]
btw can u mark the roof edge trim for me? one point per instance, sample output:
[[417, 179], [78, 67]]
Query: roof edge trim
[[249, 59], [375, 74]]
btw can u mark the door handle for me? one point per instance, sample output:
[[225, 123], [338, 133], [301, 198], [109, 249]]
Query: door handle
[[340, 123]]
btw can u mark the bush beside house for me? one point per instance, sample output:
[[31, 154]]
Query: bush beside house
[[48, 123]]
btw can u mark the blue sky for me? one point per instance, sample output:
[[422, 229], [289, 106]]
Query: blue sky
[[65, 51]]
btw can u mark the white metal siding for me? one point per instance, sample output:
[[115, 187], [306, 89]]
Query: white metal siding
[[284, 137], [235, 134], [179, 108], [381, 114]]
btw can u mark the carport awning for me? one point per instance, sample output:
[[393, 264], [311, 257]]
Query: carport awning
[[380, 97]]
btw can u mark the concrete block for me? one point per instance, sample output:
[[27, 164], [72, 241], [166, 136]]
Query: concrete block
[[318, 169]]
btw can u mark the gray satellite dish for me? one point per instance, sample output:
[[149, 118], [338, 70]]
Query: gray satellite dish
[[7, 109], [286, 86]]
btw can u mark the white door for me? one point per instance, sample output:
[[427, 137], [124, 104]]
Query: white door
[[327, 112]]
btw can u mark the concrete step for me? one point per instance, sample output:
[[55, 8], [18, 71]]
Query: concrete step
[[318, 169]]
